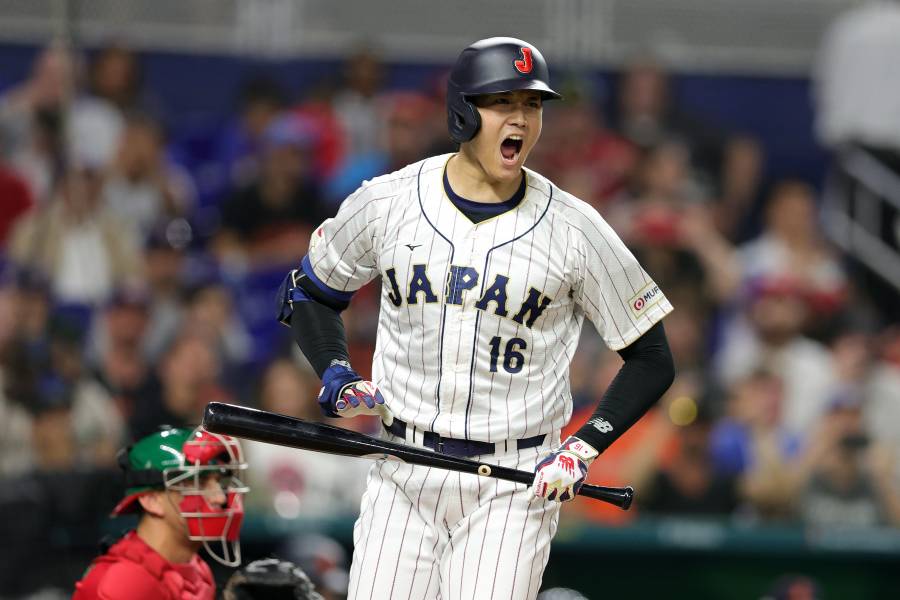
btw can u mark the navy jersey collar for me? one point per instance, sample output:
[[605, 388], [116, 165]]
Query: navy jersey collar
[[484, 209]]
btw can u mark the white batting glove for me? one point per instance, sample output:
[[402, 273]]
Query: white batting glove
[[560, 475], [362, 398]]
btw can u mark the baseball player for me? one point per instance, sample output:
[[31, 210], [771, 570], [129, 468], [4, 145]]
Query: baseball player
[[186, 488], [487, 272]]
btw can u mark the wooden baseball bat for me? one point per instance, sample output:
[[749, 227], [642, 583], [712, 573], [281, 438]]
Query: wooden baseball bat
[[273, 428]]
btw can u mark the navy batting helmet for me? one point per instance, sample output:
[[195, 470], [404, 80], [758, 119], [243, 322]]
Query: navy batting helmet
[[494, 65]]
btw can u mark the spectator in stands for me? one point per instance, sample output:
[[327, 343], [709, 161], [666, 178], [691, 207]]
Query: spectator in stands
[[580, 154], [17, 200], [740, 189], [356, 103], [97, 427], [288, 482], [7, 315], [269, 222], [848, 480], [17, 380], [165, 258], [404, 140], [40, 157], [878, 381], [331, 146], [55, 414], [117, 349], [43, 120], [689, 484], [210, 312], [688, 335], [792, 246], [24, 355], [52, 441], [189, 378], [769, 336], [85, 251], [20, 402], [647, 115], [669, 226], [142, 188], [114, 75], [29, 313], [260, 101], [752, 443]]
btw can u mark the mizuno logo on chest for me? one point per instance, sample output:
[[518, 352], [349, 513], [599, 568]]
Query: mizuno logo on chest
[[461, 279]]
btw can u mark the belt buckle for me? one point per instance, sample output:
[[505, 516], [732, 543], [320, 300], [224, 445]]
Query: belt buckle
[[439, 445]]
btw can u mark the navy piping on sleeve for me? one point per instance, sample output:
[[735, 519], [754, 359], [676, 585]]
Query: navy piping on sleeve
[[338, 295]]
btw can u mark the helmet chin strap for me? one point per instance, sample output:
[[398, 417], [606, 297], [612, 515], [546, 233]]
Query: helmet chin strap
[[230, 552]]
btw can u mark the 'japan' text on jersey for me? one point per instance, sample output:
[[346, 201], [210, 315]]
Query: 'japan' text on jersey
[[479, 322]]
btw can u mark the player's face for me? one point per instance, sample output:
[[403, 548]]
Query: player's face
[[510, 127]]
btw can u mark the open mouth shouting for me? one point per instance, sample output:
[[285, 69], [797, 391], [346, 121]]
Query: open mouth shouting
[[511, 149]]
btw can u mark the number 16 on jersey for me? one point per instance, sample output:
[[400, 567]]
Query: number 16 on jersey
[[513, 359]]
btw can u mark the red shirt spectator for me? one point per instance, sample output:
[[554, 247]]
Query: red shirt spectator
[[15, 200]]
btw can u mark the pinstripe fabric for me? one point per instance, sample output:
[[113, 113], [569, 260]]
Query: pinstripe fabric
[[425, 533], [477, 328], [433, 360]]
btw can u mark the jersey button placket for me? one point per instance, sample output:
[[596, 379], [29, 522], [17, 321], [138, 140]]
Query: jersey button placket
[[467, 310]]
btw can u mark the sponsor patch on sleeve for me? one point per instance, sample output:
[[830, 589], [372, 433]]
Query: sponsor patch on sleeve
[[649, 295], [316, 237]]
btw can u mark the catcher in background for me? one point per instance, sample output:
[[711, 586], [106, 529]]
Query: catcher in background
[[186, 486]]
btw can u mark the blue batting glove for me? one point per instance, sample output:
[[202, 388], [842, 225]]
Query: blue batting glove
[[345, 393]]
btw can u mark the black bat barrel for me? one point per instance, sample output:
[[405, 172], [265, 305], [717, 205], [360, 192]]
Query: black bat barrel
[[273, 428]]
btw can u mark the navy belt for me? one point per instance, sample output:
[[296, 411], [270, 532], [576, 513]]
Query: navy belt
[[457, 447]]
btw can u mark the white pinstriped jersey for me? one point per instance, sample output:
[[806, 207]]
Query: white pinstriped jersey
[[479, 322]]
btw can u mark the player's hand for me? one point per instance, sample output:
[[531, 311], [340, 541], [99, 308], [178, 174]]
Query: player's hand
[[345, 393], [559, 476]]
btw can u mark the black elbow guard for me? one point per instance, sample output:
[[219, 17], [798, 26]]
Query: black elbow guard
[[289, 292]]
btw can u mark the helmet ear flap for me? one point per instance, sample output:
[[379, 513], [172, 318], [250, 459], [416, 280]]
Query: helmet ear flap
[[463, 120]]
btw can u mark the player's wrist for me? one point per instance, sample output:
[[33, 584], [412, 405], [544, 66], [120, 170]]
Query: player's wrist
[[335, 380], [339, 369], [580, 449]]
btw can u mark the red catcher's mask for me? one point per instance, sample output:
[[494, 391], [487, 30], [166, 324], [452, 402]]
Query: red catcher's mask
[[212, 504]]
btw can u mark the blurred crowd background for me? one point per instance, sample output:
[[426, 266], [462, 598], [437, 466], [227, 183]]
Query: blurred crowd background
[[147, 216]]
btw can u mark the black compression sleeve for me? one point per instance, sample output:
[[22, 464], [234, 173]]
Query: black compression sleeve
[[316, 294], [646, 375], [319, 331]]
